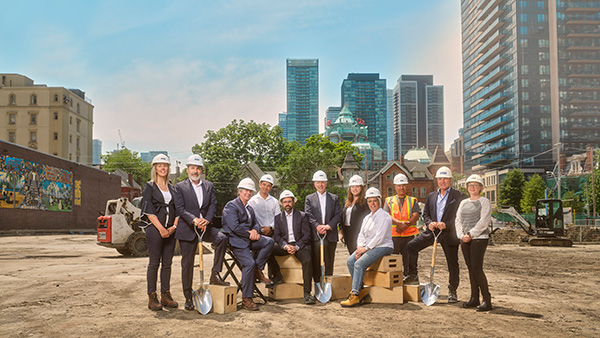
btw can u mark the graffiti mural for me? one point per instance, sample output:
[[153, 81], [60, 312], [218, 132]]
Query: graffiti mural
[[30, 185]]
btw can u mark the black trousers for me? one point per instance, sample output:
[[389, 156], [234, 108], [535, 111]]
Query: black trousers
[[401, 247], [304, 256], [473, 251], [450, 251], [159, 249], [328, 252], [188, 253], [350, 237]]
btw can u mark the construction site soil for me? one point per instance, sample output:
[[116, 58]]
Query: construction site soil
[[67, 286]]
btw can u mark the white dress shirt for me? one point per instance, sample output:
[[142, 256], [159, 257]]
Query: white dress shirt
[[323, 203], [265, 209], [290, 225], [376, 231], [199, 195]]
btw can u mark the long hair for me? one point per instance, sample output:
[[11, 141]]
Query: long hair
[[360, 200], [154, 175]]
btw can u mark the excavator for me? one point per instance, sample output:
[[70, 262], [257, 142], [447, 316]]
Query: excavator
[[548, 229]]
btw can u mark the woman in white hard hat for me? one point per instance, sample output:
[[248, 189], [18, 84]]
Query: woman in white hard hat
[[159, 207], [472, 221], [354, 211], [374, 241]]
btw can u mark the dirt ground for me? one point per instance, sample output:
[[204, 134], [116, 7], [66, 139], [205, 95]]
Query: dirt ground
[[67, 286]]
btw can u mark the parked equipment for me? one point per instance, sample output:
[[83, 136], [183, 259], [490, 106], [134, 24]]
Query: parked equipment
[[120, 228]]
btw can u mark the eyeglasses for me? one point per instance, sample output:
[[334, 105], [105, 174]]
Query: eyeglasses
[[473, 185]]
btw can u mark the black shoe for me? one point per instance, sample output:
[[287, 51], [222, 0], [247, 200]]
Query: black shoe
[[452, 298], [485, 306], [189, 305], [309, 299], [277, 279], [411, 280], [473, 302], [215, 279]]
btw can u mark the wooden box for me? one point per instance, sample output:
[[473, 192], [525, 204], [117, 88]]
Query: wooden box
[[341, 285], [412, 293], [288, 262], [385, 295], [387, 263], [286, 291], [224, 298], [383, 279], [292, 276]]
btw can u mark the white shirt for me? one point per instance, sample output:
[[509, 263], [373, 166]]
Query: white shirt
[[323, 203], [376, 231], [290, 225], [348, 215], [166, 196], [265, 209], [199, 195]]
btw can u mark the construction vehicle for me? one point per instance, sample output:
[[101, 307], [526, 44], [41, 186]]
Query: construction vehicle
[[121, 228], [549, 223]]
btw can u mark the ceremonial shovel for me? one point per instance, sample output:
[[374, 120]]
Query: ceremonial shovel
[[202, 297], [430, 291], [322, 289]]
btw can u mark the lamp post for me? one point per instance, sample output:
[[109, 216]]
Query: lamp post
[[557, 179]]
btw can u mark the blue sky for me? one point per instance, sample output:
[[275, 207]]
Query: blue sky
[[165, 72]]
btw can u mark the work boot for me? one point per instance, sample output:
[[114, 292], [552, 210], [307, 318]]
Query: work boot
[[153, 303], [167, 300], [249, 304], [411, 280], [452, 298], [485, 306], [309, 299], [215, 279], [258, 274], [352, 300], [473, 302], [189, 305]]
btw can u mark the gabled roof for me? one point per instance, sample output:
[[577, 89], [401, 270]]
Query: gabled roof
[[125, 180], [349, 162], [416, 166], [439, 157], [396, 163]]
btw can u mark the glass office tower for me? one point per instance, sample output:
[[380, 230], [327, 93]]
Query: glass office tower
[[302, 99]]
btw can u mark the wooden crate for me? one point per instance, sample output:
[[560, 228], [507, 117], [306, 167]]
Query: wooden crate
[[412, 293], [341, 285], [379, 295], [286, 291], [383, 279], [292, 276], [224, 298], [288, 262], [387, 263]]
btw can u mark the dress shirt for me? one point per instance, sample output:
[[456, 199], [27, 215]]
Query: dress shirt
[[348, 215], [376, 231], [290, 225], [323, 204], [265, 209], [441, 203], [199, 195]]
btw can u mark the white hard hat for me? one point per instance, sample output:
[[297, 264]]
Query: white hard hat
[[373, 192], [267, 178], [400, 179], [475, 178], [320, 176], [161, 158], [247, 183], [443, 172], [356, 180], [286, 194], [195, 159]]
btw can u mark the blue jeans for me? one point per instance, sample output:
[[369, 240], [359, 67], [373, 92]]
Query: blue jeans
[[357, 267]]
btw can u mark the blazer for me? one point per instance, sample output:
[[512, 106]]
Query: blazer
[[153, 203], [356, 217], [236, 223], [430, 215], [187, 206], [301, 229], [312, 207]]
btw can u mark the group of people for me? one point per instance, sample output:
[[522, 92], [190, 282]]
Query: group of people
[[257, 229]]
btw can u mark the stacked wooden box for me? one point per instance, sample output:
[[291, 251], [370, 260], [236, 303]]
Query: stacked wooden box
[[383, 280], [341, 285], [292, 286], [224, 298]]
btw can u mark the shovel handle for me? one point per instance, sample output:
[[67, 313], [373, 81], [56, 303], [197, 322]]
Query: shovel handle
[[200, 248], [322, 254], [434, 253]]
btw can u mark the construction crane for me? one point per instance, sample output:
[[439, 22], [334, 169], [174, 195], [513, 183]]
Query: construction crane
[[121, 139]]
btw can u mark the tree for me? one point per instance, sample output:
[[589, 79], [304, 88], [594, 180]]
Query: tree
[[533, 190], [461, 187], [511, 189], [572, 200], [129, 162], [596, 182]]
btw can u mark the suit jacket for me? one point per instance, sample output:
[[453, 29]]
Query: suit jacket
[[236, 223], [187, 206], [359, 212], [301, 229], [153, 203], [430, 215], [312, 207]]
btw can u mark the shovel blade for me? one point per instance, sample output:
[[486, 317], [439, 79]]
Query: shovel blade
[[323, 292], [430, 293], [202, 300]]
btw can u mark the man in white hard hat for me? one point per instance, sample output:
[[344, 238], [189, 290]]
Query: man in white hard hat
[[266, 208], [324, 214], [439, 214], [239, 222], [405, 212], [293, 237], [196, 203]]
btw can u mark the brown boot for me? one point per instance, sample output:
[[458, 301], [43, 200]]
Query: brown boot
[[249, 304], [153, 303], [167, 300], [215, 279], [261, 277]]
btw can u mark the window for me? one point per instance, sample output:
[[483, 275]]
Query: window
[[55, 98], [526, 147], [545, 122], [523, 30], [77, 143], [12, 136], [388, 177], [523, 4], [70, 138], [77, 158], [390, 192], [78, 124], [33, 99], [525, 121], [415, 192], [540, 4], [523, 17], [545, 134], [33, 136], [78, 108], [524, 69], [12, 99], [524, 43], [55, 154], [544, 69], [70, 120], [493, 199], [524, 83], [55, 115], [542, 18], [70, 157], [56, 136], [525, 95], [12, 118], [543, 43], [423, 192], [543, 56], [33, 118]]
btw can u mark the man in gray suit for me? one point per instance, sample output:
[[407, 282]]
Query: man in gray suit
[[324, 214], [196, 203]]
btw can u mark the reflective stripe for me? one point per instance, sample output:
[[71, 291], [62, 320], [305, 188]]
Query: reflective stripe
[[403, 215]]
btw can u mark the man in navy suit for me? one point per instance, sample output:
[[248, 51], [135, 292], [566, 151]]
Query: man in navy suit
[[239, 223], [439, 214], [196, 203], [324, 214], [292, 237]]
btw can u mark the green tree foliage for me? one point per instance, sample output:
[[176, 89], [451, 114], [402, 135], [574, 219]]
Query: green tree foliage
[[129, 162], [511, 189], [596, 183], [533, 190], [461, 187], [570, 199]]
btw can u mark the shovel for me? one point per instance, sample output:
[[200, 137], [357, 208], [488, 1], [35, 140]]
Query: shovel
[[322, 289], [430, 291], [202, 297]]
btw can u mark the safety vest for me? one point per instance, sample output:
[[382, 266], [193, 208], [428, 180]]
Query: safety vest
[[403, 215]]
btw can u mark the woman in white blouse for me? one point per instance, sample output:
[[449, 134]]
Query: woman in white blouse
[[374, 241], [472, 221]]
